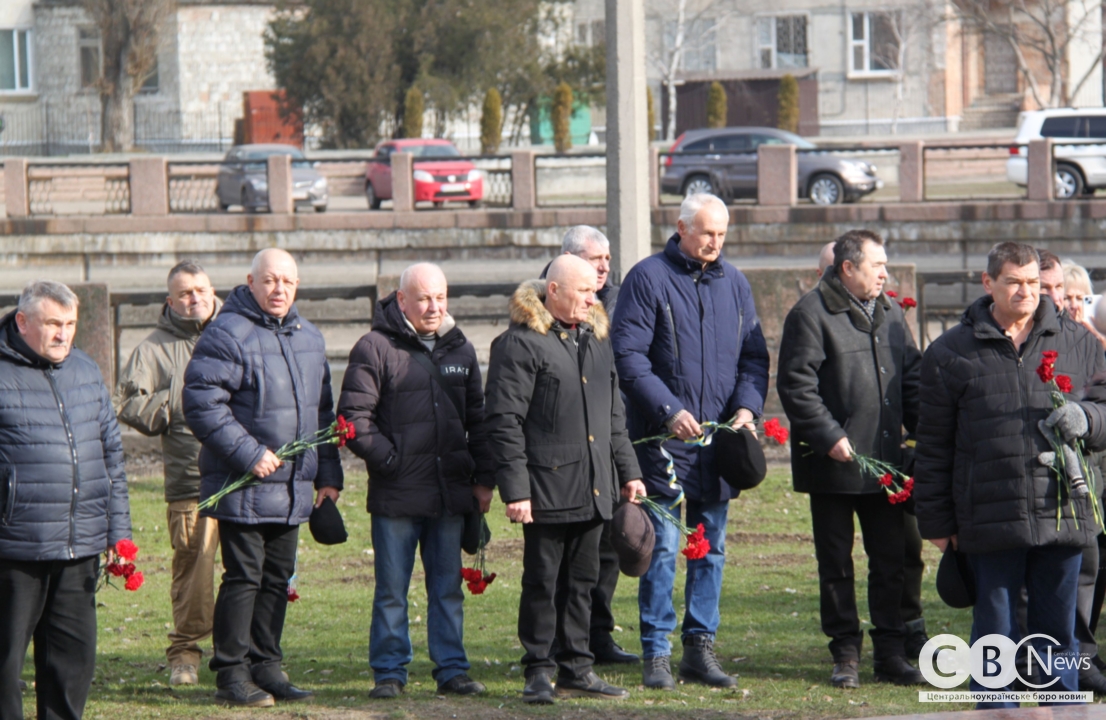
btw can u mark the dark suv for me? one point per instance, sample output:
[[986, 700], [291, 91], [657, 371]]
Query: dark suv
[[723, 161]]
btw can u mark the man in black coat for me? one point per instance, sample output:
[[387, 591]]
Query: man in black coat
[[847, 359], [63, 501], [558, 434], [259, 379], [981, 484], [589, 244], [413, 392]]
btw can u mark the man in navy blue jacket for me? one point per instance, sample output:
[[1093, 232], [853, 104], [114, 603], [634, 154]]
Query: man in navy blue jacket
[[258, 379], [689, 349]]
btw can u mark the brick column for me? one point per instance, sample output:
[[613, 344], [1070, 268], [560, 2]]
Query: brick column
[[912, 181], [524, 182], [149, 183], [280, 185], [1041, 173], [403, 184], [777, 175], [17, 197]]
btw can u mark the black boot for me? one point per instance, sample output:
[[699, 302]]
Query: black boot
[[589, 686], [700, 664], [243, 694], [897, 670], [1092, 679], [916, 638], [658, 673], [609, 653], [538, 690], [846, 674]]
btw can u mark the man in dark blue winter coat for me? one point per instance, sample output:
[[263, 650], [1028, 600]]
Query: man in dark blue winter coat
[[258, 379], [63, 501], [689, 349]]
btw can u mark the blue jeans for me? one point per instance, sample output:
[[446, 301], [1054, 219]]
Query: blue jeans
[[702, 589], [1050, 575], [439, 544]]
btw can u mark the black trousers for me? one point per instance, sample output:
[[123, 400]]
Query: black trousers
[[882, 528], [1086, 607], [55, 604], [602, 618], [913, 570], [249, 612], [550, 612]]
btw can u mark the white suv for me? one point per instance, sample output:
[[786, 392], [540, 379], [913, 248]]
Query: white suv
[[1079, 170]]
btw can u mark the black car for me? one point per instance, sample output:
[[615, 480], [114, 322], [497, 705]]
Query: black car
[[723, 161]]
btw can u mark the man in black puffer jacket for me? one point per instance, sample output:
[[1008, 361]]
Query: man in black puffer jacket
[[980, 485], [63, 501], [258, 379], [424, 446], [557, 429]]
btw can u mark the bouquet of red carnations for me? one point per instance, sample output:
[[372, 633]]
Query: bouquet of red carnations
[[127, 552], [477, 577], [339, 433]]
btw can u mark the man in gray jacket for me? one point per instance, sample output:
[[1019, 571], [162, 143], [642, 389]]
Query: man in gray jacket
[[148, 398], [63, 501]]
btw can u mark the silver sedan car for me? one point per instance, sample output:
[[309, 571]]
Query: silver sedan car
[[244, 179]]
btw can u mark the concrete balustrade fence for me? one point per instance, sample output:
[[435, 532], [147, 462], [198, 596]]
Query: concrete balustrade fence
[[524, 181]]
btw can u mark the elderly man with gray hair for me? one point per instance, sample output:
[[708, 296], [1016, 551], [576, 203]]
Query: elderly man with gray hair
[[63, 501], [689, 350], [591, 245]]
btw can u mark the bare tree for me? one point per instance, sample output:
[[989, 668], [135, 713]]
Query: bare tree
[[129, 36], [1043, 30], [688, 19], [904, 34]]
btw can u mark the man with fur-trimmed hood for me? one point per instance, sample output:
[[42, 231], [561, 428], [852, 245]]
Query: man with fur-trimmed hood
[[558, 433]]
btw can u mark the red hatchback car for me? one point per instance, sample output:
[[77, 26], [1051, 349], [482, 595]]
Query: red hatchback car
[[440, 173]]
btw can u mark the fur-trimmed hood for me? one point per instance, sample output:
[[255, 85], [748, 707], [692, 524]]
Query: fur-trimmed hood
[[528, 308]]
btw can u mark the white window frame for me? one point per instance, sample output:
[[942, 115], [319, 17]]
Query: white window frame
[[30, 89], [83, 43], [758, 47], [866, 42]]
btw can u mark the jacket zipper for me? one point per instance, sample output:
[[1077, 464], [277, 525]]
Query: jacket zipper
[[73, 455], [672, 328], [1027, 441]]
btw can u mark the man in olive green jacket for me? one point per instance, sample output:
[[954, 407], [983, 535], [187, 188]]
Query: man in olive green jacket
[[148, 398]]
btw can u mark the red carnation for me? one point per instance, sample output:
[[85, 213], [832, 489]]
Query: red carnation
[[891, 294], [908, 485], [292, 594], [775, 431], [697, 544], [478, 587], [127, 550], [116, 569], [1044, 371], [1049, 356], [343, 431], [471, 575], [885, 480], [1064, 383], [134, 581], [908, 303]]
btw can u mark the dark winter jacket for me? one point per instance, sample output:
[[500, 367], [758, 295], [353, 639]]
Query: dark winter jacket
[[421, 454], [148, 398], [686, 338], [557, 424], [63, 492], [843, 375], [977, 474], [256, 382]]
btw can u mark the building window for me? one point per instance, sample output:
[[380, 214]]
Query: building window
[[781, 41], [598, 32], [875, 43], [698, 46], [150, 84], [15, 60], [88, 40]]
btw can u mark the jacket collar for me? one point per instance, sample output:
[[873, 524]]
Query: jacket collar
[[184, 328], [528, 309], [984, 326], [241, 302], [836, 299], [687, 265]]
